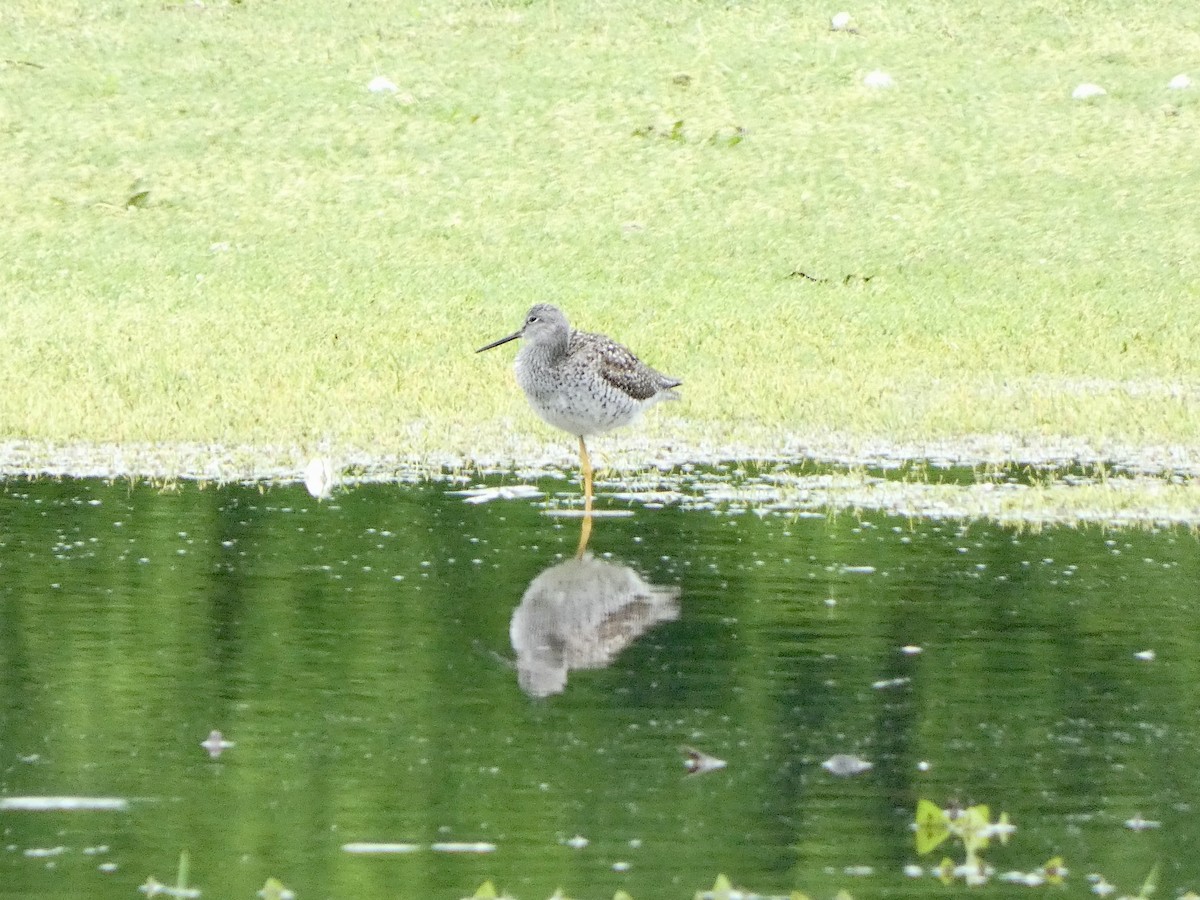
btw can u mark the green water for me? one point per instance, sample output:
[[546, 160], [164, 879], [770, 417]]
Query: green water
[[359, 654]]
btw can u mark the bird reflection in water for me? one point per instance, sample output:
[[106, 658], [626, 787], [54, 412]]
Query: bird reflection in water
[[579, 614]]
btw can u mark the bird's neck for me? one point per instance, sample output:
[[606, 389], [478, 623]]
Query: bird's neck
[[546, 353]]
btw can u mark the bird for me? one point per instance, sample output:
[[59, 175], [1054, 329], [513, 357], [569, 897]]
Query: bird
[[582, 383]]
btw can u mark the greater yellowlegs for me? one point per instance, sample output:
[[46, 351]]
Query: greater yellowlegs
[[580, 382]]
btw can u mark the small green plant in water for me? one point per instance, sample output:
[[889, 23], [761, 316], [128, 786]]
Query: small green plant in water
[[974, 829], [153, 887], [274, 889], [723, 889]]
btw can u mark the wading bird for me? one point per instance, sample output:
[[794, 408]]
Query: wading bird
[[580, 382]]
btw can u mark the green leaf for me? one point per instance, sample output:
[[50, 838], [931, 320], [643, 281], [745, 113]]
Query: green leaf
[[931, 826]]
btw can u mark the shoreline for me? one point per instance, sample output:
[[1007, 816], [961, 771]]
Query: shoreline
[[1060, 481], [514, 452]]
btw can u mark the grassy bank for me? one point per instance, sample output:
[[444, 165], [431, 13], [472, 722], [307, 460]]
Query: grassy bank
[[216, 233]]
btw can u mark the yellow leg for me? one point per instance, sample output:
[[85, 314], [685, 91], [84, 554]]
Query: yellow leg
[[585, 535], [585, 531], [586, 464]]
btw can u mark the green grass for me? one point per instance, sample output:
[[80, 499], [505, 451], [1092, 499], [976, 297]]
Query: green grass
[[314, 262]]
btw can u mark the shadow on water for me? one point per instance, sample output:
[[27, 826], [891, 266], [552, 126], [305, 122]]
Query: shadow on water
[[421, 694]]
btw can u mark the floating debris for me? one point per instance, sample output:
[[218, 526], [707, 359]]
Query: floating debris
[[698, 763], [319, 477], [216, 744], [64, 804], [1087, 91], [845, 765], [463, 847], [507, 492], [42, 852], [153, 888], [1137, 823], [370, 847], [1002, 829], [878, 79]]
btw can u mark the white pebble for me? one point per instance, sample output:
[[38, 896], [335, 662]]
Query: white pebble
[[381, 85], [1179, 83], [1087, 91], [878, 79]]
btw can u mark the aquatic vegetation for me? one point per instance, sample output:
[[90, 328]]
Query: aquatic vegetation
[[723, 889], [973, 828], [274, 889], [152, 887]]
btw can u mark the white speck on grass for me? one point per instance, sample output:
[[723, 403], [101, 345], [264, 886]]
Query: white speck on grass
[[1087, 91], [1179, 83], [841, 22], [1145, 655], [879, 79], [381, 85], [577, 843]]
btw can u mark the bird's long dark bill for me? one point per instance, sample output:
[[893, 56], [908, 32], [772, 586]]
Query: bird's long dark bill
[[503, 340]]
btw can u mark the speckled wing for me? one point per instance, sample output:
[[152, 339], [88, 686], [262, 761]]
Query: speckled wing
[[622, 369]]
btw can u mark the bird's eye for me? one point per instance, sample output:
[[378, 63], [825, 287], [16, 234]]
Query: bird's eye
[[531, 320]]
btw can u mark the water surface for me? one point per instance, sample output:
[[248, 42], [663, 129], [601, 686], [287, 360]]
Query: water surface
[[400, 666]]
